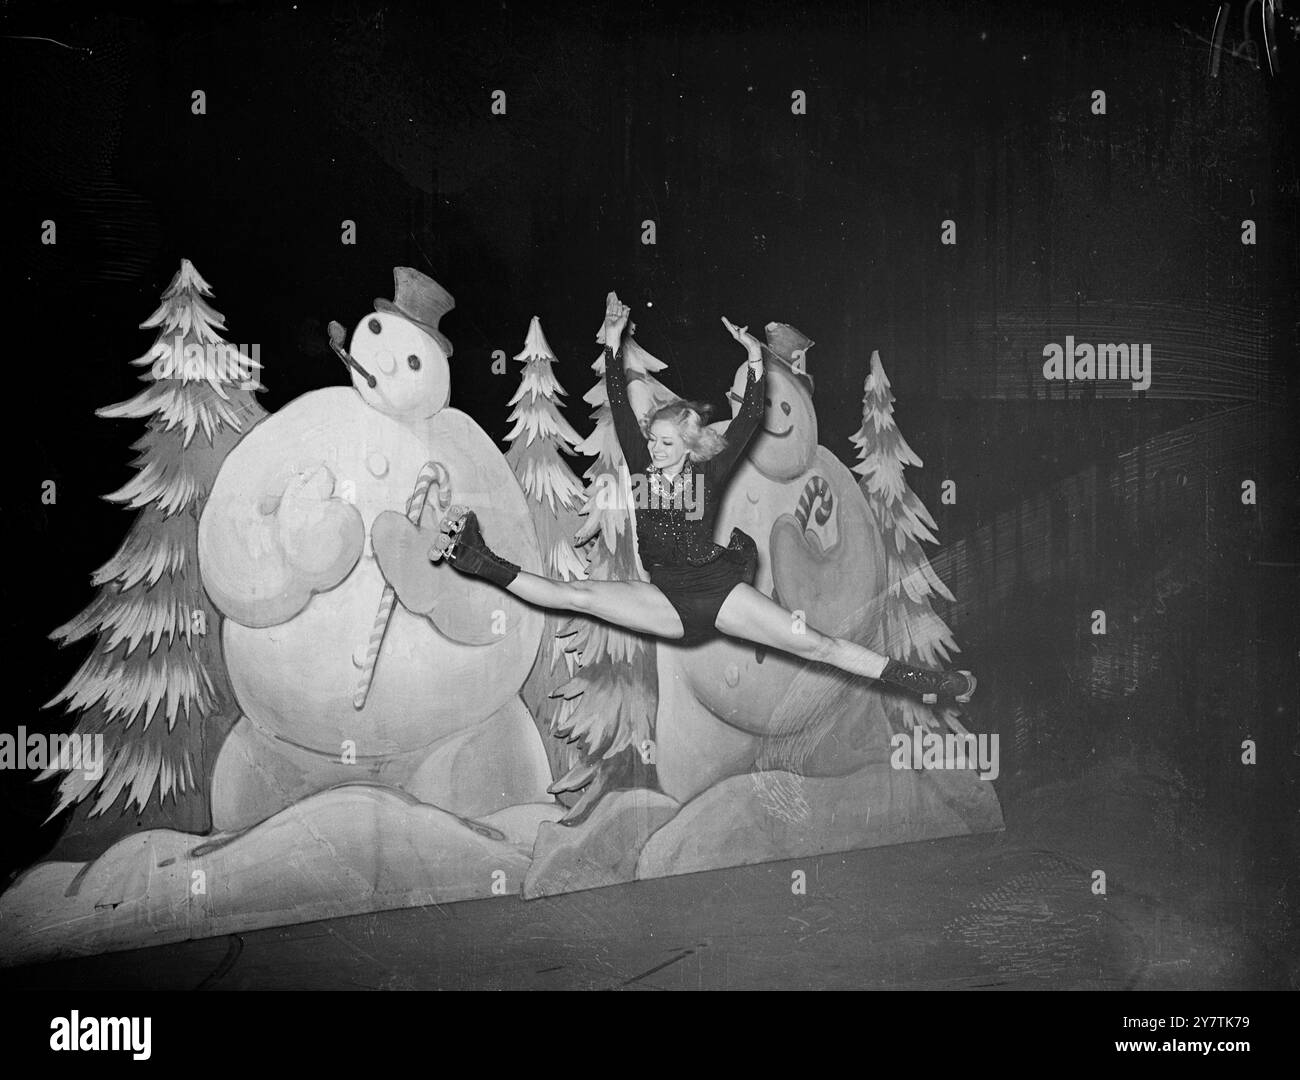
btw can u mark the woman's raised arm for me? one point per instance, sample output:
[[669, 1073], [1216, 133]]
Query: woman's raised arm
[[753, 406], [627, 425]]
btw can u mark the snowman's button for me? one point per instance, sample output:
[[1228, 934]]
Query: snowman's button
[[732, 675], [752, 496], [377, 463]]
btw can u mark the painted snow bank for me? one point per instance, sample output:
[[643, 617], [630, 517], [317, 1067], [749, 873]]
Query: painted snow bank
[[345, 851]]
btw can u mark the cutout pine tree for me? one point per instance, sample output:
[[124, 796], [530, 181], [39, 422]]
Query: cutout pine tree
[[539, 437], [609, 705], [912, 631], [155, 685]]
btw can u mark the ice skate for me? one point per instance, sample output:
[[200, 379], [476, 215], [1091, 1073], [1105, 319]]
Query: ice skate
[[460, 542], [929, 684], [448, 529]]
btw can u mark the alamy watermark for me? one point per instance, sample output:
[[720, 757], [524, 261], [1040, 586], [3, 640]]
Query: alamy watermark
[[951, 750], [650, 492], [213, 361], [77, 1032], [67, 753], [1087, 362]]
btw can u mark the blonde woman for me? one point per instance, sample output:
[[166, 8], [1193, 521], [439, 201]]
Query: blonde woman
[[697, 589]]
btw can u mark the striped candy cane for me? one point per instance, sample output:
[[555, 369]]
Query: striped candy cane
[[432, 472], [816, 489]]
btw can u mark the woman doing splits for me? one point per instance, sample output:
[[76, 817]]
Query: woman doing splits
[[697, 589]]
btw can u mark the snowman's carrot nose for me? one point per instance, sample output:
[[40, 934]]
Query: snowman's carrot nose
[[337, 335]]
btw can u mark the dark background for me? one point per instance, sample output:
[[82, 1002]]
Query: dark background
[[1123, 227]]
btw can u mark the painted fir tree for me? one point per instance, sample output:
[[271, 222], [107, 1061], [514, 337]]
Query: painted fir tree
[[155, 685], [538, 439], [912, 631], [609, 705]]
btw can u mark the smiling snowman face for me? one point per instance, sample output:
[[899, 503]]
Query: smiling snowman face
[[784, 447], [412, 380]]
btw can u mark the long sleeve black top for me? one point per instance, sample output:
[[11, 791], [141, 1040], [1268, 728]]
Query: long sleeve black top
[[679, 531]]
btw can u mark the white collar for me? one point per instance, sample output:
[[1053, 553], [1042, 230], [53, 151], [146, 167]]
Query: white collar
[[683, 471]]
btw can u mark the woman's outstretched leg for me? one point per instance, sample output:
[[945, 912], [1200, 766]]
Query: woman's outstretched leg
[[633, 605], [748, 614]]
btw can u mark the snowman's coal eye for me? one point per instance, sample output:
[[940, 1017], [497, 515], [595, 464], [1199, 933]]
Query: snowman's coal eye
[[413, 362], [375, 326]]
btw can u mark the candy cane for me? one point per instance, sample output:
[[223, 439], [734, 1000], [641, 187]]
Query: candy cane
[[432, 472], [816, 488]]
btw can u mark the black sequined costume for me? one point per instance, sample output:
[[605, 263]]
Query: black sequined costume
[[675, 534]]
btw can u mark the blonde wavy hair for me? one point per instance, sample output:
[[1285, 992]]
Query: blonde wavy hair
[[691, 419]]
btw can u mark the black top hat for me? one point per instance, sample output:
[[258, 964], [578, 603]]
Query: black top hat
[[420, 299], [788, 347]]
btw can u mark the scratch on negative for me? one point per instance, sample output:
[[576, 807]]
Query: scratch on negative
[[658, 967]]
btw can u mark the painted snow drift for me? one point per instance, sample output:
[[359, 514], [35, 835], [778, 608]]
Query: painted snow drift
[[376, 753]]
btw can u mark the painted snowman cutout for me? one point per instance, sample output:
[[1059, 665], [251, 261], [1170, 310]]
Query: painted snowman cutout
[[337, 680], [820, 553]]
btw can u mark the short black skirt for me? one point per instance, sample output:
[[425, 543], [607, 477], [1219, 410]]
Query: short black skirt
[[697, 592]]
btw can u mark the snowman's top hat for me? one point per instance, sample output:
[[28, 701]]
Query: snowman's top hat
[[420, 299], [788, 347]]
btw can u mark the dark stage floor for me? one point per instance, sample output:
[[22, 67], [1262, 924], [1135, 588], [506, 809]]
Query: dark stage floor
[[1184, 909]]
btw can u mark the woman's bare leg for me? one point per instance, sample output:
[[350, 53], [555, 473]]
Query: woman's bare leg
[[633, 605], [748, 614]]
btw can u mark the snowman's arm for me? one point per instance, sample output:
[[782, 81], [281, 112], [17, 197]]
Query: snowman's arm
[[263, 555], [627, 427], [244, 568], [743, 425]]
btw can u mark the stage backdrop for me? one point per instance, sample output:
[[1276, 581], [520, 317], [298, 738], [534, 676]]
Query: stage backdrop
[[1015, 278]]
